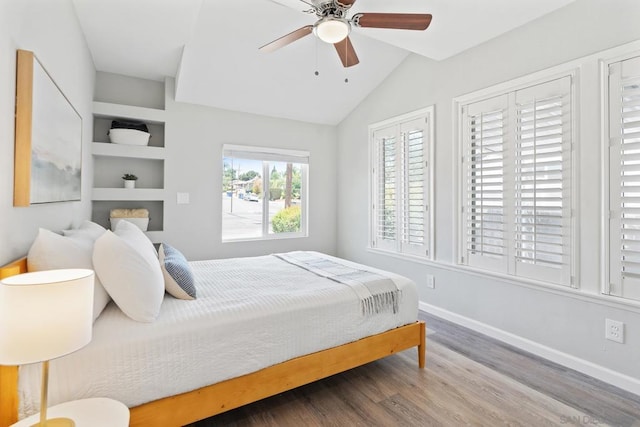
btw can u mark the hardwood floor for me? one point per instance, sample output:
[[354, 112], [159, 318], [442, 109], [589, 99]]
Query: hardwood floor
[[469, 379]]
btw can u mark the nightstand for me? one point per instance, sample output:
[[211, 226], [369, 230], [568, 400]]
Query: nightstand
[[95, 412]]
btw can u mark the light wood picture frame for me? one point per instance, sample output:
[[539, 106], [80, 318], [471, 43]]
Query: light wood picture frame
[[48, 139]]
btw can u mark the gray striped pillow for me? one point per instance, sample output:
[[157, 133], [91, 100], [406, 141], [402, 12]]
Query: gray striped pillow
[[178, 277]]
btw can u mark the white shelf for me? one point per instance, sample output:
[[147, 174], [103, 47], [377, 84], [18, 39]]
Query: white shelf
[[128, 194], [122, 150], [105, 109]]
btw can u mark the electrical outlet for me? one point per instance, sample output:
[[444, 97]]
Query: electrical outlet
[[431, 281], [614, 330]]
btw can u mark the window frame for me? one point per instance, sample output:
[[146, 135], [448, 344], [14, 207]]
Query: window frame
[[272, 154], [427, 114], [509, 89]]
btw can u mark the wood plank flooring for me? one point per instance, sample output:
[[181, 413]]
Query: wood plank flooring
[[470, 379]]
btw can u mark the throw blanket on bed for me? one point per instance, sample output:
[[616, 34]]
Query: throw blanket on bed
[[376, 292]]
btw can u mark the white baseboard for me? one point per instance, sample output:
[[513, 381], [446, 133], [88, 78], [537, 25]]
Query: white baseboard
[[607, 375]]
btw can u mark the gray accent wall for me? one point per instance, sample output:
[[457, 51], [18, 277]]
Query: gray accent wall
[[563, 322], [51, 30]]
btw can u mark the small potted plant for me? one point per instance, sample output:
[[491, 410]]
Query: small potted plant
[[129, 180]]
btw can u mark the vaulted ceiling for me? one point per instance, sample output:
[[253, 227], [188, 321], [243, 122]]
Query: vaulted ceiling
[[211, 47]]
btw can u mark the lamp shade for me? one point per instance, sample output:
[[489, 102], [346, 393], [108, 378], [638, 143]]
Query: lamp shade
[[44, 315]]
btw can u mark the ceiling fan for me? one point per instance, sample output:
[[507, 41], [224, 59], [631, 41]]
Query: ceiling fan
[[334, 27]]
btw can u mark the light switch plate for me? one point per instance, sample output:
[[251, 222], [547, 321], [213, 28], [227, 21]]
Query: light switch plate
[[182, 198], [431, 281]]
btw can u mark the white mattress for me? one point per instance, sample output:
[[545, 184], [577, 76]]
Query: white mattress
[[251, 313]]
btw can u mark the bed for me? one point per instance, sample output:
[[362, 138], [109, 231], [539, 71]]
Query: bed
[[191, 377]]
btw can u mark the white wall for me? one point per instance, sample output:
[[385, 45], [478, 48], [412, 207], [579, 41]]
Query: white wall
[[194, 136], [561, 322], [50, 29]]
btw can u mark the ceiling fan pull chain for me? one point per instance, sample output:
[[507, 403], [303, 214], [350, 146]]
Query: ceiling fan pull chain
[[346, 69], [317, 73]]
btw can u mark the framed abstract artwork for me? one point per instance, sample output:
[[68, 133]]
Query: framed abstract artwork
[[48, 144]]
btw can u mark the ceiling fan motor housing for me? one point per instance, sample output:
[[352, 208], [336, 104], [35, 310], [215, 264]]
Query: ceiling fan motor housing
[[332, 9]]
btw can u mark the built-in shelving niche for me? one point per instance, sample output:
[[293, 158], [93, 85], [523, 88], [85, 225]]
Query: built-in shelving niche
[[101, 126], [121, 97], [109, 170], [102, 209]]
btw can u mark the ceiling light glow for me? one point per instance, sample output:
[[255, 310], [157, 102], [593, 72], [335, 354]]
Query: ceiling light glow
[[332, 30]]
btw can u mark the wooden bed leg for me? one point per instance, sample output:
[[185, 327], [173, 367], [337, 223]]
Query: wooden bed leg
[[422, 347]]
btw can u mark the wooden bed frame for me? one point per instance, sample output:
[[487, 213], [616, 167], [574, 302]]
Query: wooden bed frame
[[211, 400]]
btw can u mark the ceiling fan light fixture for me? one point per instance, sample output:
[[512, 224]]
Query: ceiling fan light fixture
[[332, 30]]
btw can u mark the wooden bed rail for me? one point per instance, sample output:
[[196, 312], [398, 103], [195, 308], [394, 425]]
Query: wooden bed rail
[[16, 267]]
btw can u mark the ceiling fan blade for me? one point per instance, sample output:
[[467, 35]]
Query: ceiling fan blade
[[346, 52], [289, 38], [345, 3], [401, 21]]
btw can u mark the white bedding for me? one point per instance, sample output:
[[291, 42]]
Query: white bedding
[[251, 313]]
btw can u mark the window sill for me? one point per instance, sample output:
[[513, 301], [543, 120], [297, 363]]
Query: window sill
[[279, 236], [407, 257], [575, 293]]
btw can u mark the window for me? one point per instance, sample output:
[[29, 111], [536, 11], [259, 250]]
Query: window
[[400, 191], [624, 179], [516, 183], [264, 193]]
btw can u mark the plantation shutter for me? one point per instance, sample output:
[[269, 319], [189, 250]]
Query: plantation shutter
[[386, 195], [624, 158], [543, 182], [400, 216], [484, 236], [413, 184]]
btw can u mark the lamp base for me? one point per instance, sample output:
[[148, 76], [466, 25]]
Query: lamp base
[[56, 422]]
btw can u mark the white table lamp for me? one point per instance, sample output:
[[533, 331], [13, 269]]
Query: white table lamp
[[45, 315]]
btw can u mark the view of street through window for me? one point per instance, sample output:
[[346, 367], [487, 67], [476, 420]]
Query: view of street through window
[[242, 218], [246, 196]]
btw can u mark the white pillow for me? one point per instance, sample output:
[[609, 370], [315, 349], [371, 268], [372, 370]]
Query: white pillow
[[128, 266], [51, 251], [89, 230]]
